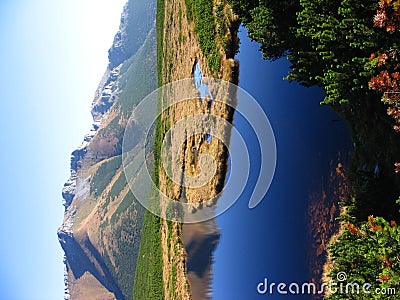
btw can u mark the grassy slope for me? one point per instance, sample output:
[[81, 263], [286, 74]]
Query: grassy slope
[[140, 21], [148, 275], [104, 174], [120, 225], [148, 282], [139, 80], [108, 219]]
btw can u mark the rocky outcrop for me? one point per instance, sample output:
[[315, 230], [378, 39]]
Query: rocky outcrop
[[120, 48], [126, 41], [67, 295], [64, 233], [68, 191], [106, 94], [77, 156], [132, 33]]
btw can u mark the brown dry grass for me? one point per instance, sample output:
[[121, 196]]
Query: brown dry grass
[[181, 52]]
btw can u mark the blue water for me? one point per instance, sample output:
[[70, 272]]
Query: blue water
[[200, 85], [269, 240], [204, 91]]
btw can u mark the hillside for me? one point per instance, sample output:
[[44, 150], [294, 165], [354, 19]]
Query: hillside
[[100, 233], [114, 248]]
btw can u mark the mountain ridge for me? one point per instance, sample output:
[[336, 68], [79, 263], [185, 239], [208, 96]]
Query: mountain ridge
[[100, 232]]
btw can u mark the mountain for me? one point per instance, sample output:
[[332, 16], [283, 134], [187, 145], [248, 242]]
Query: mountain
[[111, 243], [100, 233]]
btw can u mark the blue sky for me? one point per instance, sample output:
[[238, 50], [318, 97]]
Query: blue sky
[[52, 57]]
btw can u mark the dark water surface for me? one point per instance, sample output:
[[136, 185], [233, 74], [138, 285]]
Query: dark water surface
[[269, 241]]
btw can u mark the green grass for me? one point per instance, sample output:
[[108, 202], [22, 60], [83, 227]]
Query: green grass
[[201, 11], [148, 283], [139, 78], [126, 223], [104, 175], [148, 275], [118, 185], [126, 202], [140, 20], [160, 39], [173, 280], [122, 229]]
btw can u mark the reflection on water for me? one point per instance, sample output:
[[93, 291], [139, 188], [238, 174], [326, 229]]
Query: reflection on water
[[199, 83], [204, 91], [270, 241], [200, 240], [243, 246]]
